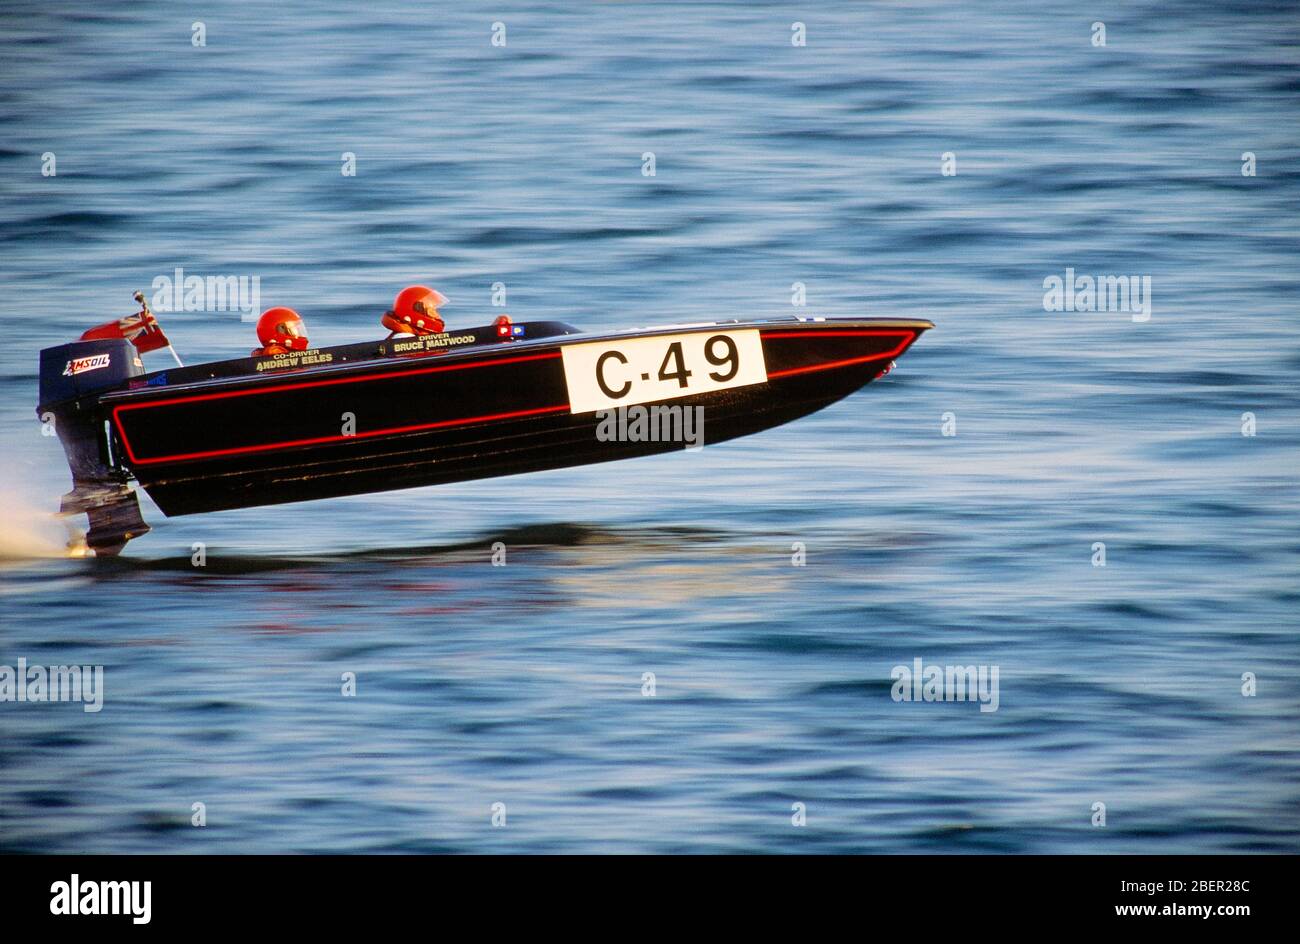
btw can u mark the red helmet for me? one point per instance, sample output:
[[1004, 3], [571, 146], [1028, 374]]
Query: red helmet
[[416, 309], [282, 327]]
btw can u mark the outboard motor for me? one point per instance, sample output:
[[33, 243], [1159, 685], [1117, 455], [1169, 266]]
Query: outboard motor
[[72, 376]]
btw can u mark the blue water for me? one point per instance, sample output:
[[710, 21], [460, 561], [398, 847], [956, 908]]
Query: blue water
[[522, 684]]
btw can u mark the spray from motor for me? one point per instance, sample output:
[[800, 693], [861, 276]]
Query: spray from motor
[[27, 529]]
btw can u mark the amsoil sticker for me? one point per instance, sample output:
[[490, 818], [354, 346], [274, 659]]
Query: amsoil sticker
[[79, 365]]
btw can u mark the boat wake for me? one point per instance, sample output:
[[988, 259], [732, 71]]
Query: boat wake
[[28, 530]]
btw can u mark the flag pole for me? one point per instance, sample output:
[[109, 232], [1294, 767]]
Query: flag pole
[[144, 307]]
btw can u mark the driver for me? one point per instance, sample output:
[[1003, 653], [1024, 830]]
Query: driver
[[280, 330], [415, 311]]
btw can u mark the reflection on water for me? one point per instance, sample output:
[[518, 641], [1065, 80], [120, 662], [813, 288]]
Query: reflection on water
[[771, 584]]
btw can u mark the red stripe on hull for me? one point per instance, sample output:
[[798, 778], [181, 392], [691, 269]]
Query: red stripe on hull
[[330, 383], [267, 447], [390, 375], [907, 338]]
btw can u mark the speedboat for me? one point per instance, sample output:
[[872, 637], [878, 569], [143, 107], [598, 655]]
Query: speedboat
[[503, 399]]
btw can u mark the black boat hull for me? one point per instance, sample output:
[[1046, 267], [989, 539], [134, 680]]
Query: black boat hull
[[448, 418], [407, 412]]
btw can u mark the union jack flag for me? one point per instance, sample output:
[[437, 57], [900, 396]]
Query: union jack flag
[[141, 329]]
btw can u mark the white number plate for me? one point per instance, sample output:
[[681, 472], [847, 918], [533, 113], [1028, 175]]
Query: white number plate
[[606, 374]]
